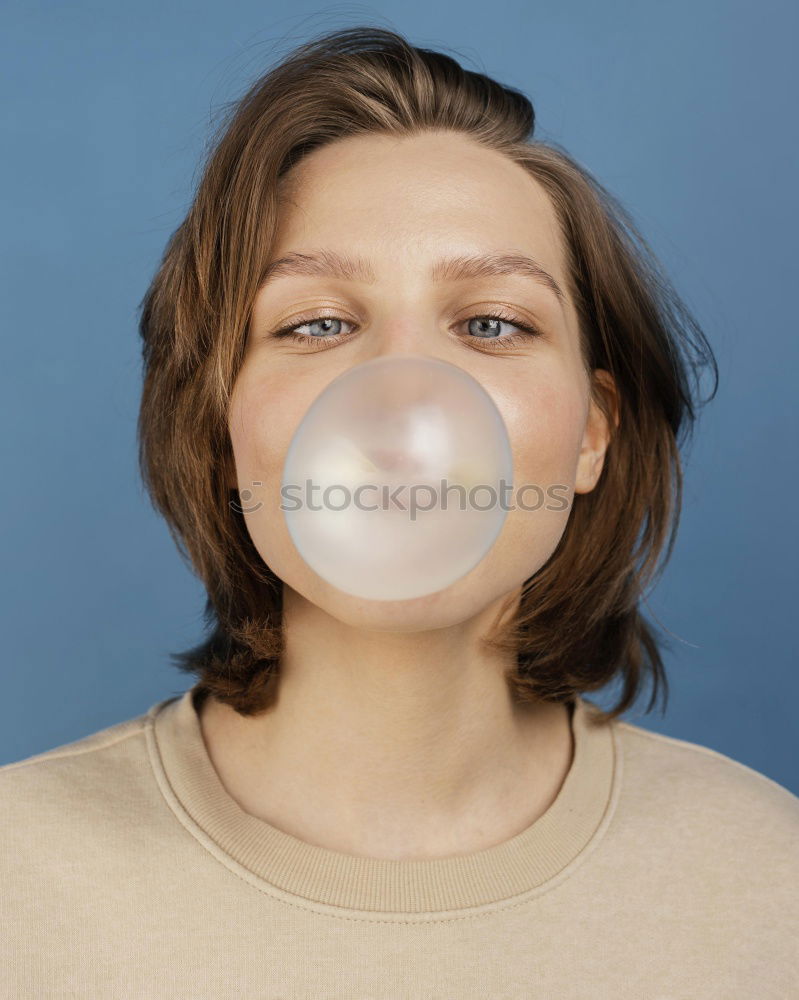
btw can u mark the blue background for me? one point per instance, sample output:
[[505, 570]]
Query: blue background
[[685, 110]]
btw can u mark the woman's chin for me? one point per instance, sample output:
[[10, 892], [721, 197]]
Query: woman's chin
[[441, 609]]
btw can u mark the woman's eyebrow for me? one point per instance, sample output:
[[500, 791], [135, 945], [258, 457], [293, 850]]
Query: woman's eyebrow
[[332, 264]]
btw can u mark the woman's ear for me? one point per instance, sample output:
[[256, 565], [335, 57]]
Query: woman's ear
[[598, 433]]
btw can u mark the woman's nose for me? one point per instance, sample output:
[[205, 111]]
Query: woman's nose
[[396, 389], [393, 460], [404, 330]]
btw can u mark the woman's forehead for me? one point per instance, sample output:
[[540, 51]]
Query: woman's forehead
[[407, 206]]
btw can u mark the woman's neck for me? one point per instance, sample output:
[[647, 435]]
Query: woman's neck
[[402, 746]]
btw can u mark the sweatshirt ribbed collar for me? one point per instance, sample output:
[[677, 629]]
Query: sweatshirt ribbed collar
[[504, 872]]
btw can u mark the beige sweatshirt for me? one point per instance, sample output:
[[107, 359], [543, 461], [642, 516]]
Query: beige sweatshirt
[[662, 870]]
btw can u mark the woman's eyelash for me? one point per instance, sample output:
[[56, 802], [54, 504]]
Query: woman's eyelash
[[305, 338]]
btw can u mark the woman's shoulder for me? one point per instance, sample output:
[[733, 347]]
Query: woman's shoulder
[[705, 791], [58, 756], [75, 779]]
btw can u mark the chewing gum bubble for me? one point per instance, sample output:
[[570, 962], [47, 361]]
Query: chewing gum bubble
[[395, 476]]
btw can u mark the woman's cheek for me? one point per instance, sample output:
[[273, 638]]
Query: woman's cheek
[[259, 427], [545, 432]]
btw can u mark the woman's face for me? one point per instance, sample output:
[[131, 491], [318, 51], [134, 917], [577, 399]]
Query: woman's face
[[402, 205]]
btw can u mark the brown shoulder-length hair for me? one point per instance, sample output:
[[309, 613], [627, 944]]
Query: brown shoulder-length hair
[[577, 624]]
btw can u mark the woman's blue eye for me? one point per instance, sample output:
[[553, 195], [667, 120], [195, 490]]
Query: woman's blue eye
[[485, 321], [322, 322]]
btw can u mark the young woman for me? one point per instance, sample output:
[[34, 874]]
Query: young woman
[[393, 799]]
